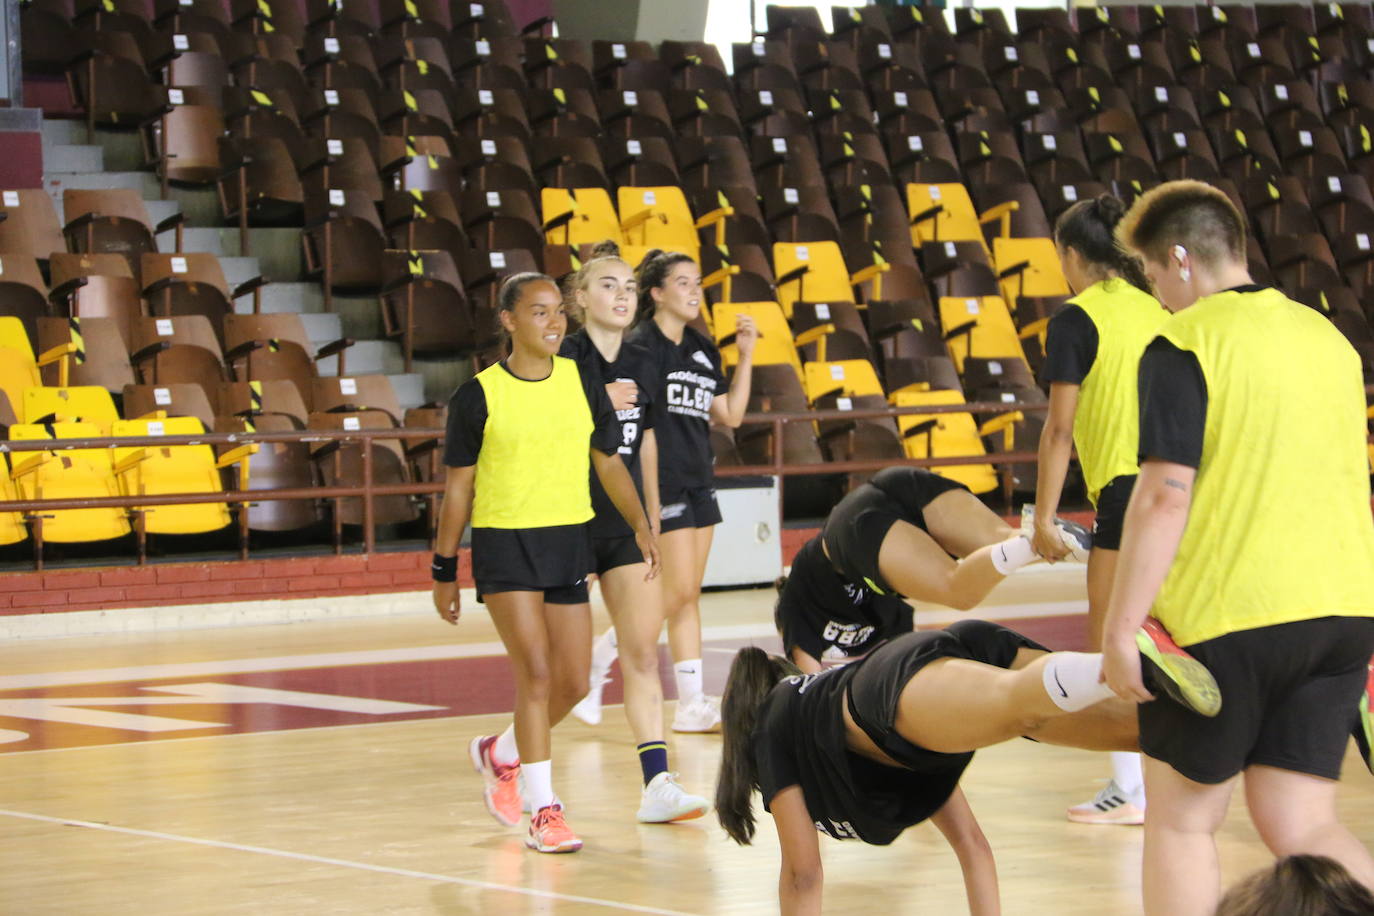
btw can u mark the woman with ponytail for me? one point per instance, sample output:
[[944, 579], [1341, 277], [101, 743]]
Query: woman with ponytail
[[691, 396], [1092, 355], [865, 750]]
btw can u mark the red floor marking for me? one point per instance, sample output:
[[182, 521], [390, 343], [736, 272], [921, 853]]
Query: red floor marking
[[460, 687]]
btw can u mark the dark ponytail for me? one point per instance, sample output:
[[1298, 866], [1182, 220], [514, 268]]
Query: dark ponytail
[[752, 675], [651, 275], [1089, 227]]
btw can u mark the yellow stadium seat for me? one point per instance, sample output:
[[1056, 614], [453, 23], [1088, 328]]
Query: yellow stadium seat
[[580, 216], [12, 529], [18, 366], [175, 469], [944, 435], [660, 218], [978, 326], [816, 272], [849, 377], [68, 474], [1028, 267], [775, 347], [942, 212], [84, 403]]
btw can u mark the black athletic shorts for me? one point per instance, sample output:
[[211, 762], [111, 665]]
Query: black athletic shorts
[[1111, 512], [692, 507], [608, 553], [551, 560], [854, 532], [1289, 699], [883, 675]]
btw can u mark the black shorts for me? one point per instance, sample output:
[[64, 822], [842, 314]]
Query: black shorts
[[551, 560], [1111, 512], [877, 686], [854, 532], [609, 553], [692, 507], [1289, 696]]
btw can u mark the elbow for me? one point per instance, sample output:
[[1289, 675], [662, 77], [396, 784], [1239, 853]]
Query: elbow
[[733, 422], [804, 881]]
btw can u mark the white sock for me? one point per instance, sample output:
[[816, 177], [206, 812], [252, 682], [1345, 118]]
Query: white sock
[[687, 673], [1072, 680], [1129, 779], [538, 784], [505, 749], [1012, 554], [604, 651]]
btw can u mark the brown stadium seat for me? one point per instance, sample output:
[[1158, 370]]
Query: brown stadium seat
[[177, 399], [181, 350], [113, 221], [96, 353], [424, 306], [276, 346], [193, 284], [277, 466], [23, 294], [96, 286], [273, 397], [343, 241], [341, 465]]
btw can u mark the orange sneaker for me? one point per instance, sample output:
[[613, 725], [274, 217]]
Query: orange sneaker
[[1170, 670], [550, 833], [500, 782]]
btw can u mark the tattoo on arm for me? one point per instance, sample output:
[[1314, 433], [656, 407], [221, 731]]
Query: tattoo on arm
[[1176, 484]]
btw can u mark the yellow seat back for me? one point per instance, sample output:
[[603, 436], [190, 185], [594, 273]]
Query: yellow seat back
[[825, 278], [774, 346], [853, 377], [86, 403], [955, 220], [954, 435], [12, 529], [168, 470], [658, 218], [69, 474], [593, 217], [994, 333], [1043, 276]]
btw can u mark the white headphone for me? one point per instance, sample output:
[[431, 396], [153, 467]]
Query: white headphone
[[1179, 253]]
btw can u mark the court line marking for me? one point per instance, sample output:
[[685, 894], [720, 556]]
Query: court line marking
[[925, 615], [342, 863]]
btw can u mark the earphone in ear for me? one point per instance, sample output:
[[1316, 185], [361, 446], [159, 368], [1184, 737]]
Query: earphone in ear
[[1185, 274]]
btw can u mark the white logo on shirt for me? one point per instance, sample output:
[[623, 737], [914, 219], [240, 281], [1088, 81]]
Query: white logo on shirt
[[703, 359], [846, 634], [840, 830]]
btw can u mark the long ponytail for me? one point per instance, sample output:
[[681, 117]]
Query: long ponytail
[[752, 675]]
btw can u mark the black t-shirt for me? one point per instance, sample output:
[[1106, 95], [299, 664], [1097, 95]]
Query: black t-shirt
[[467, 420], [800, 741], [1070, 346], [1173, 405], [688, 377], [829, 618], [631, 365]]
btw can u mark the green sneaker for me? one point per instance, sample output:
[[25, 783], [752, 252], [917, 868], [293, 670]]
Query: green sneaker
[[1364, 728], [1170, 670]]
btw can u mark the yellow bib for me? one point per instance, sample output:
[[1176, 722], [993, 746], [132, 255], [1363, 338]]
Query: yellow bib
[[1280, 527], [532, 470], [1106, 426]]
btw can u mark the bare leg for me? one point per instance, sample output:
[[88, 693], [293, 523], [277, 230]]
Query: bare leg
[[919, 568], [570, 639], [1111, 725], [519, 620], [955, 705], [681, 588], [636, 608], [1295, 813], [1101, 571], [1181, 873], [960, 523]]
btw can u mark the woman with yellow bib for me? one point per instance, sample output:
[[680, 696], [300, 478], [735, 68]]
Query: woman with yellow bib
[[1092, 355]]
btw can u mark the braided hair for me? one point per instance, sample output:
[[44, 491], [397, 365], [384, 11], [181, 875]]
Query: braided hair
[[1089, 227]]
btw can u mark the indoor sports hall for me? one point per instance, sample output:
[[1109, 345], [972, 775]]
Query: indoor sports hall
[[250, 249]]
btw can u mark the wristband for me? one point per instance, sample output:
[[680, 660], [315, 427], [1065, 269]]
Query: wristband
[[444, 569]]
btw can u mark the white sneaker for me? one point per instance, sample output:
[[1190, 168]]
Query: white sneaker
[[1078, 539], [665, 801], [1111, 806], [588, 709], [701, 714]]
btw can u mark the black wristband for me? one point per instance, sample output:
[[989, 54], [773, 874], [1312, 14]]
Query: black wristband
[[444, 569]]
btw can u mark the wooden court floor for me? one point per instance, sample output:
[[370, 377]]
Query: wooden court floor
[[321, 768]]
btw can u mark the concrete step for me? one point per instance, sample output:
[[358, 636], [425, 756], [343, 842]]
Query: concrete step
[[158, 210], [409, 388], [323, 328], [200, 204], [63, 130], [239, 270], [71, 157], [286, 297], [362, 316], [367, 357], [442, 376]]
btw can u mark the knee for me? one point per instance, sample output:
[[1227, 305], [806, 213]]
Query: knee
[[639, 661], [536, 682], [571, 686]]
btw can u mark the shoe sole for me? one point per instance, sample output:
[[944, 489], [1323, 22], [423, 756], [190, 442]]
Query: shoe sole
[[475, 755], [1182, 677], [573, 846], [689, 816], [1131, 821]]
